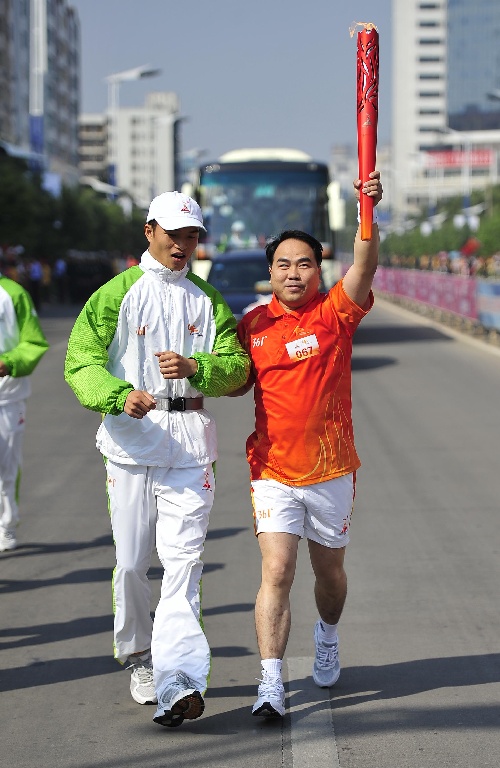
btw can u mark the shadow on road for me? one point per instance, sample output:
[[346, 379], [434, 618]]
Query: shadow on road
[[371, 363], [56, 671], [27, 548], [223, 533], [223, 609], [359, 685], [55, 631], [83, 576], [397, 334], [408, 678]]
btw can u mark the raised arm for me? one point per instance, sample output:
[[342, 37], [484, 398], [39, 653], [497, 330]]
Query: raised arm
[[358, 280]]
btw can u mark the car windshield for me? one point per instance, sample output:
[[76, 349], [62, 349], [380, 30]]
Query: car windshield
[[238, 276]]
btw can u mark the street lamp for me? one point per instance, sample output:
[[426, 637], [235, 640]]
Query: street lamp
[[114, 81]]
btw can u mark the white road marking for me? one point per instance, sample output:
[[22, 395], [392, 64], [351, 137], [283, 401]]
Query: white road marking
[[312, 731]]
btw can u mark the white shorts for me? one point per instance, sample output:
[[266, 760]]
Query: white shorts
[[320, 512]]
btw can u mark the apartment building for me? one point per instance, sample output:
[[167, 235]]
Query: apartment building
[[40, 84], [93, 146], [445, 127], [143, 147]]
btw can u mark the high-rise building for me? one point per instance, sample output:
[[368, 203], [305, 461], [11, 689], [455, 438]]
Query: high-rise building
[[93, 146], [143, 146], [40, 84], [474, 64], [14, 72], [446, 130]]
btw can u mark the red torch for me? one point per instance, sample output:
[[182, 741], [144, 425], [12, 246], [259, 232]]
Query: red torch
[[367, 108]]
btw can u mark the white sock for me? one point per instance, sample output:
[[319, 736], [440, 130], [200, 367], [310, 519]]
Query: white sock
[[328, 631], [272, 667]]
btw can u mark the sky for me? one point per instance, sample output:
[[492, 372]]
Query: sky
[[263, 73]]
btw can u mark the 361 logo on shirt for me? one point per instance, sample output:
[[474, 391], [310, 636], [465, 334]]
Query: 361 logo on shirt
[[258, 341]]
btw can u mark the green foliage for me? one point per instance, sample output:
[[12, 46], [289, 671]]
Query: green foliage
[[489, 235], [47, 227], [448, 238], [414, 243]]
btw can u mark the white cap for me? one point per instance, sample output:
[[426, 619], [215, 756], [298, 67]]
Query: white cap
[[173, 210]]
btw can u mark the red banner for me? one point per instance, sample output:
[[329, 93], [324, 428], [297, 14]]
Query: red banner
[[475, 158]]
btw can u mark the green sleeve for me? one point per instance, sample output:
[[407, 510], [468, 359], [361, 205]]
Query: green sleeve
[[87, 356], [228, 366], [23, 359]]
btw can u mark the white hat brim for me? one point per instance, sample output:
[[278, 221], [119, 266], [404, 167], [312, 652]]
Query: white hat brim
[[178, 222]]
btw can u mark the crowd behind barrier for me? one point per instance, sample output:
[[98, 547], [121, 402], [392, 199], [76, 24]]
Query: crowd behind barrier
[[69, 280], [451, 263]]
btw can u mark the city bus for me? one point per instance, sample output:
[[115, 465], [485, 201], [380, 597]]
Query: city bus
[[249, 195]]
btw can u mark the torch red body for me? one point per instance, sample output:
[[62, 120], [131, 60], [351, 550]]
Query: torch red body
[[367, 103]]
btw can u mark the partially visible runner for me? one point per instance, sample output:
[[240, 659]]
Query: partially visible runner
[[22, 345], [302, 456], [146, 348]]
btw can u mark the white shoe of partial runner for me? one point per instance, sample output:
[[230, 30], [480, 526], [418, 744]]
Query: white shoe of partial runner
[[326, 667], [142, 685], [271, 697], [8, 540]]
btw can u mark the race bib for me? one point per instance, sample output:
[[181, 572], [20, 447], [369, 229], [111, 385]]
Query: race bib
[[301, 349]]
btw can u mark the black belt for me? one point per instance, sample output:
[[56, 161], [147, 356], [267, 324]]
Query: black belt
[[179, 403]]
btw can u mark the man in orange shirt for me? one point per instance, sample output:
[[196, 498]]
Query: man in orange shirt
[[302, 456]]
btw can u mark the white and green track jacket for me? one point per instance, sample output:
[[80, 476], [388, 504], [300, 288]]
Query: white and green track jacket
[[22, 342], [111, 351]]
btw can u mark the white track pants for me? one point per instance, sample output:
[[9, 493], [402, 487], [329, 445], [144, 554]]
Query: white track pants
[[173, 507], [12, 422]]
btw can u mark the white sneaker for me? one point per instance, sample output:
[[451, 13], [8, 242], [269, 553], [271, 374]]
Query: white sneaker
[[8, 539], [271, 700], [142, 686], [178, 701], [326, 667]]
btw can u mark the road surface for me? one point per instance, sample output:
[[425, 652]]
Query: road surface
[[420, 635]]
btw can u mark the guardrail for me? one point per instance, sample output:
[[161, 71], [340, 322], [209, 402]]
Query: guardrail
[[472, 299]]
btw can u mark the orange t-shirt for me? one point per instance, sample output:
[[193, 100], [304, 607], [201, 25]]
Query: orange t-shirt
[[301, 364]]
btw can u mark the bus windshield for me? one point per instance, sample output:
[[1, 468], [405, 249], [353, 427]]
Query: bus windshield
[[244, 204]]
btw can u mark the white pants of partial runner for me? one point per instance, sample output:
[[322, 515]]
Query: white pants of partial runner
[[171, 506], [12, 422]]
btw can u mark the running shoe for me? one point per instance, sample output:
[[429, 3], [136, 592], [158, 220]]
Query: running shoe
[[326, 667], [142, 686], [8, 540], [179, 701], [271, 697]]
